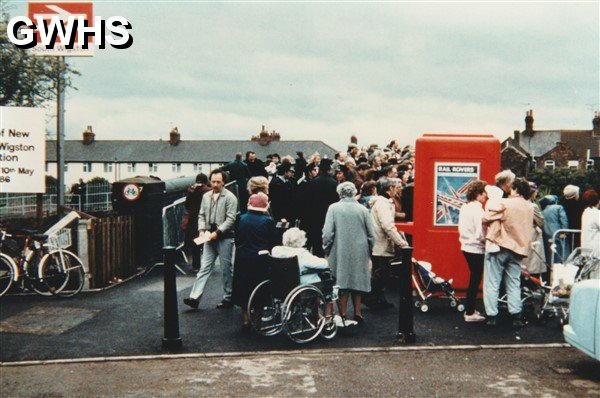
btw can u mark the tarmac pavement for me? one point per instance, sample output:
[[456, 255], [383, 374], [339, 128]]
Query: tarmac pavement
[[128, 320], [108, 343], [391, 372]]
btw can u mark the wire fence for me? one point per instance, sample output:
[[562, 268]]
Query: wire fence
[[94, 197]]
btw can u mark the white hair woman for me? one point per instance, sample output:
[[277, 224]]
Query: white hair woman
[[348, 237], [294, 240]]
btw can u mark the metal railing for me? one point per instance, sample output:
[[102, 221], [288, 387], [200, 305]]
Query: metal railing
[[97, 197]]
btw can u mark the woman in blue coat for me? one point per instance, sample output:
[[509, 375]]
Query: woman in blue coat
[[255, 232]]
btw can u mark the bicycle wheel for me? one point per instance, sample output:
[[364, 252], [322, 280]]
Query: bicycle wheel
[[62, 272], [264, 311], [7, 274], [304, 316]]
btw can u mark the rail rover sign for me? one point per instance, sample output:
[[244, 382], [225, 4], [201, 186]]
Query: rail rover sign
[[52, 14]]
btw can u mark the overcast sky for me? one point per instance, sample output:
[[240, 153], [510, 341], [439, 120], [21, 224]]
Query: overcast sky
[[325, 71]]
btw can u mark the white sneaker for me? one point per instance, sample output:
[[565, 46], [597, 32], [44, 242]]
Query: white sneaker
[[475, 317]]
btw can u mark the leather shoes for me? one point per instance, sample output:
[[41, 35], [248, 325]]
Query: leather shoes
[[517, 323], [191, 302], [225, 305]]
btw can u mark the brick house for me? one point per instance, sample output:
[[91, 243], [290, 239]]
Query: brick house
[[538, 149]]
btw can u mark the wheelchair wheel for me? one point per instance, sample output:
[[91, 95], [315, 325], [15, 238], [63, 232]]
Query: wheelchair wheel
[[304, 316], [264, 310], [330, 328]]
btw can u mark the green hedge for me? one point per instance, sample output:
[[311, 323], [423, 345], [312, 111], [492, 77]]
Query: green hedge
[[553, 181]]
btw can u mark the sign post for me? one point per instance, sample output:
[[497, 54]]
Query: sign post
[[64, 10]]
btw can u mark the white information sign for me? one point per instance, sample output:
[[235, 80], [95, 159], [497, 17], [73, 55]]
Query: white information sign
[[22, 150]]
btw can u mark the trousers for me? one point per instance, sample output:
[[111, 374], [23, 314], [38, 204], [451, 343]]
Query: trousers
[[223, 249], [503, 263]]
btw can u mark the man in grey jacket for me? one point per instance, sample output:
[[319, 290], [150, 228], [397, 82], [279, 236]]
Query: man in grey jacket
[[217, 216]]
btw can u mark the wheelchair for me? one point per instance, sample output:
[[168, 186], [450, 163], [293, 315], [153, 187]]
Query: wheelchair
[[281, 303]]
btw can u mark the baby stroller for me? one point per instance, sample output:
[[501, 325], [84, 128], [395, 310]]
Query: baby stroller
[[427, 285], [580, 265]]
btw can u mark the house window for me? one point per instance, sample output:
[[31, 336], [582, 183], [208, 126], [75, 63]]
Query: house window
[[589, 164], [66, 167], [573, 164], [549, 164], [176, 167], [46, 167], [152, 168], [87, 167], [108, 167], [198, 167], [131, 167]]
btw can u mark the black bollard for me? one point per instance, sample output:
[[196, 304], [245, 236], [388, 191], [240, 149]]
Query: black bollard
[[406, 332], [171, 339]]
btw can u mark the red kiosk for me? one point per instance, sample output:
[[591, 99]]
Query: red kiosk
[[444, 165]]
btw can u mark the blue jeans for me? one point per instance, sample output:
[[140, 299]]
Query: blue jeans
[[224, 250], [504, 262]]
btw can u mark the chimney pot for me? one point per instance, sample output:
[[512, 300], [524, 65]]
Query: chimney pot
[[88, 136], [174, 136]]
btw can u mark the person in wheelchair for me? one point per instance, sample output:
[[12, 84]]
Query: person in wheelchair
[[313, 270]]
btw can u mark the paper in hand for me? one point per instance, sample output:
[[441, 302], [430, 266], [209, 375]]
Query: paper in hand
[[204, 237]]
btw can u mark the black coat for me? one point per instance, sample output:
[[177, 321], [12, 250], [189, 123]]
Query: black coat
[[321, 193], [257, 168], [283, 204], [255, 231]]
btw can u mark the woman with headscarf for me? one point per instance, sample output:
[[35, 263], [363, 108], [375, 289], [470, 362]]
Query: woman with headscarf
[[555, 218], [348, 237], [574, 209], [255, 231]]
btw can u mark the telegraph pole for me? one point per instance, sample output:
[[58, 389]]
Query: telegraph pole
[[60, 136]]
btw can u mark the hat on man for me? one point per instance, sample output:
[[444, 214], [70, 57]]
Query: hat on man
[[283, 167], [325, 164], [258, 202], [571, 191]]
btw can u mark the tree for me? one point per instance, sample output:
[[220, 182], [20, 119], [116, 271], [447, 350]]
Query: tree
[[27, 80]]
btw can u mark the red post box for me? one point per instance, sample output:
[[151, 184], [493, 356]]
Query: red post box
[[444, 166]]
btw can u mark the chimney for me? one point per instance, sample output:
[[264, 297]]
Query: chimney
[[529, 122], [516, 136], [596, 124], [88, 136], [174, 136]]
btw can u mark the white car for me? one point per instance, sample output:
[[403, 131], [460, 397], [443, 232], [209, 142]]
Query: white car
[[583, 329]]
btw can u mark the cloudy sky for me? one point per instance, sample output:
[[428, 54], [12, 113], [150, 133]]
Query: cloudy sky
[[327, 70]]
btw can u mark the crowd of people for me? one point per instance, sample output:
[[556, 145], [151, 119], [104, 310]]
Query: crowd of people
[[340, 214], [503, 231]]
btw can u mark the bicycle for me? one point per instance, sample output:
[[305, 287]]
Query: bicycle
[[43, 265]]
